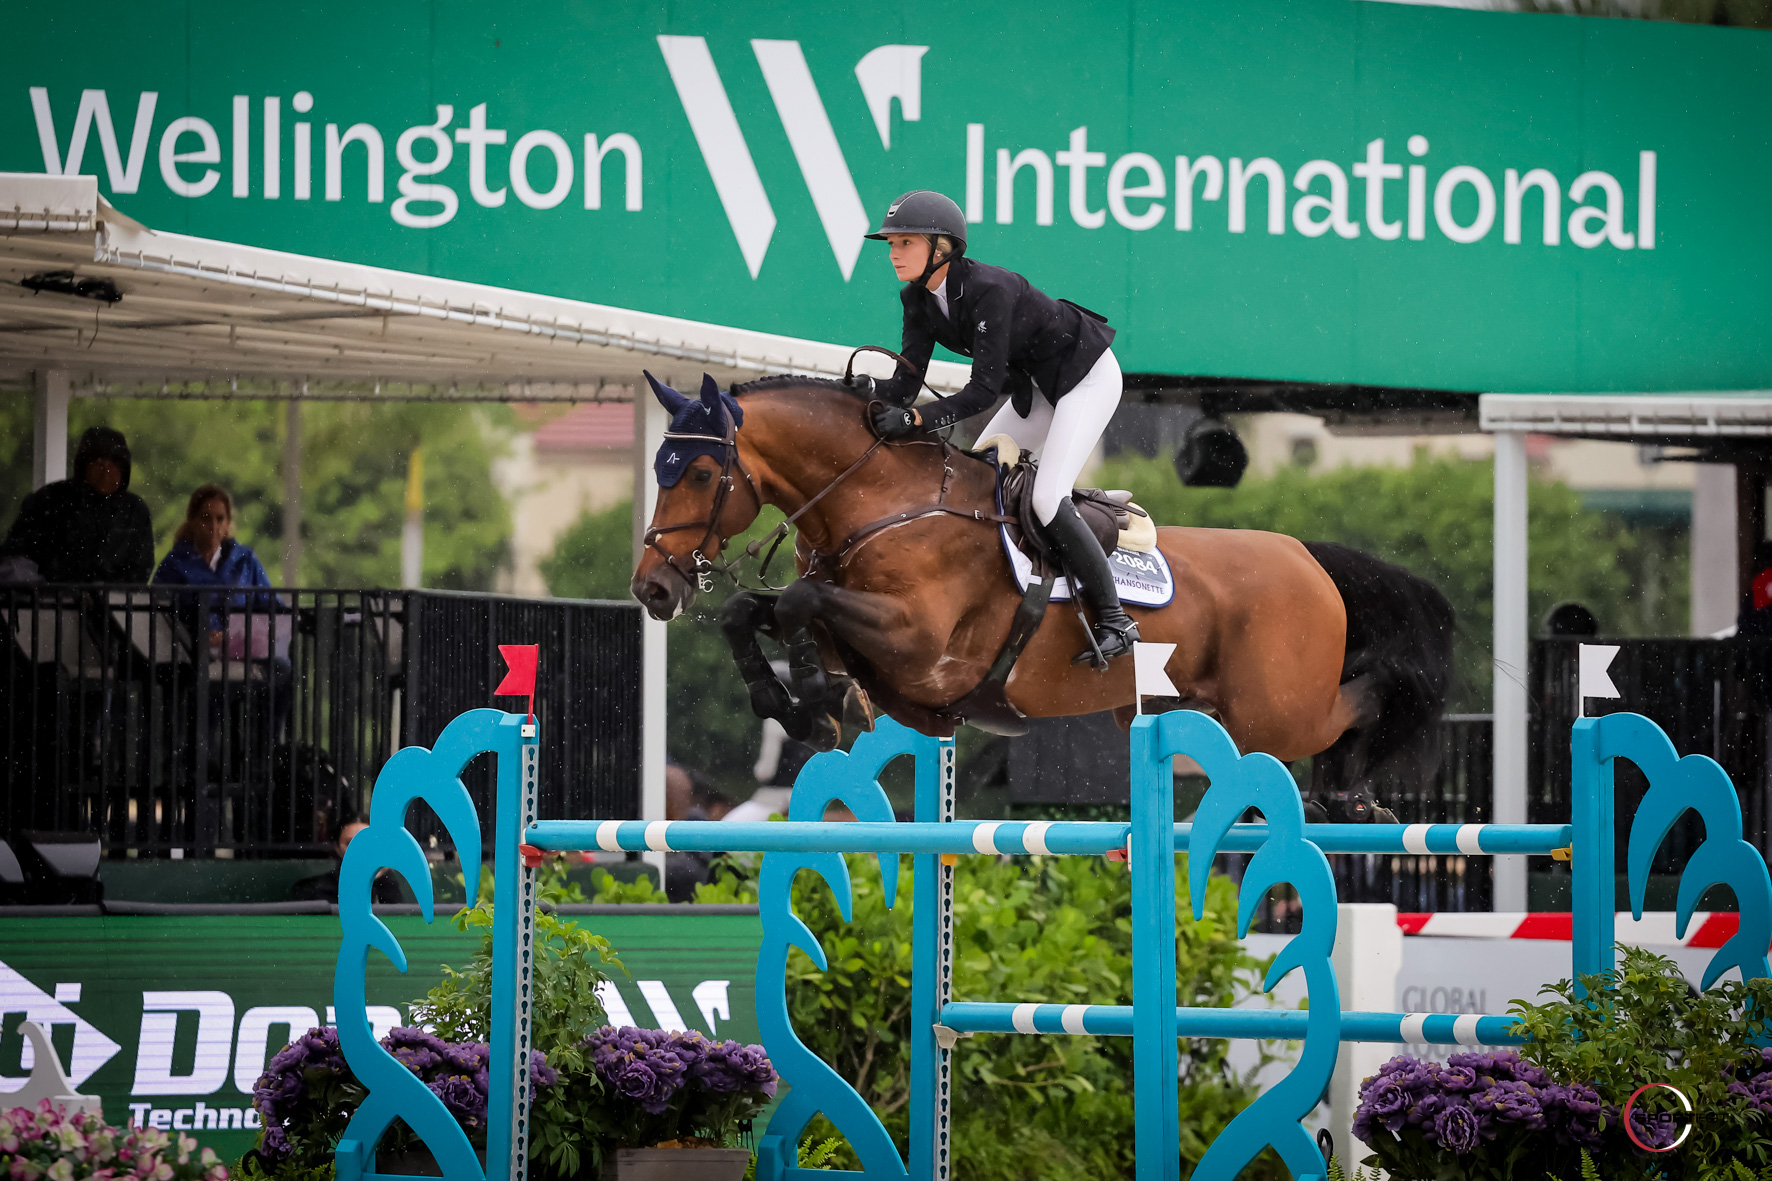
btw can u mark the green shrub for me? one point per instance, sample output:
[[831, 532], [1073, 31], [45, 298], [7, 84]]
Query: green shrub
[[1043, 929]]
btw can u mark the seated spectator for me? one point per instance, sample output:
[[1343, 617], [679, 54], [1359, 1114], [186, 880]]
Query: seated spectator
[[88, 528], [204, 552], [324, 887]]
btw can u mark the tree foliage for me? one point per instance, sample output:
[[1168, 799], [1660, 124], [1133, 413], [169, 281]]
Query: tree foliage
[[354, 463], [713, 729], [1436, 517]]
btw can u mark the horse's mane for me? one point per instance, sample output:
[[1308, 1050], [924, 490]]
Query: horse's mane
[[783, 381]]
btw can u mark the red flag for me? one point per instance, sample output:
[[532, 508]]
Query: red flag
[[520, 681]]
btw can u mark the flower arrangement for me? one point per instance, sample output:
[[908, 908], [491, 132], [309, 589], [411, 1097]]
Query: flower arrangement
[[1554, 1107], [1500, 1113], [51, 1143], [663, 1088], [308, 1092]]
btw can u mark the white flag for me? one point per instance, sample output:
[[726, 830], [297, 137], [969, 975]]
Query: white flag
[[1148, 661], [1594, 681]]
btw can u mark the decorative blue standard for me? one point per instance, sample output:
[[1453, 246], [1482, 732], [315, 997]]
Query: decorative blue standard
[[1285, 851]]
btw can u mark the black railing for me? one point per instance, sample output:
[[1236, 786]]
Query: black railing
[[173, 721]]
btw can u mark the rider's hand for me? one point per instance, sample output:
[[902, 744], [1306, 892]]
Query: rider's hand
[[895, 422]]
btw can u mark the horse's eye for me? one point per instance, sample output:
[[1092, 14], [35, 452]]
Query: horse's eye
[[703, 475]]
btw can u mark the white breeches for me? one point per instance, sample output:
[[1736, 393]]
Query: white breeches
[[1062, 437]]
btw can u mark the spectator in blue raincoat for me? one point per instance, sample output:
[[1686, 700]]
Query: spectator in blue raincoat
[[204, 552], [205, 555]]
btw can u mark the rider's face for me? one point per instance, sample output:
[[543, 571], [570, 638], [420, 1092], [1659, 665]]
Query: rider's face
[[910, 254]]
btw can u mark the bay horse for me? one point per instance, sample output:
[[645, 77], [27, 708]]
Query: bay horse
[[1297, 649]]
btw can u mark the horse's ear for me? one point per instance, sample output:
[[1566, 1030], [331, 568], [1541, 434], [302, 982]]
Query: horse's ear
[[667, 397], [710, 397]]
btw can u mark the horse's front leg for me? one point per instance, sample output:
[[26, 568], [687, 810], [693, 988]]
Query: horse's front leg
[[741, 619]]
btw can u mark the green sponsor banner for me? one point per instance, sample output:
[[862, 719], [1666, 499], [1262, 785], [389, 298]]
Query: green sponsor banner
[[1317, 190], [171, 1020]]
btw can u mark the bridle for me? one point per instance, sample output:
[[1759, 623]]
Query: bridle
[[701, 569]]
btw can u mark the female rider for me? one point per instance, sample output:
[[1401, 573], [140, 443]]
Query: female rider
[[1022, 343]]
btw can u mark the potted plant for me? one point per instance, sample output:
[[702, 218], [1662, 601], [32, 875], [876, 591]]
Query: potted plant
[[671, 1105], [1554, 1107], [48, 1142]]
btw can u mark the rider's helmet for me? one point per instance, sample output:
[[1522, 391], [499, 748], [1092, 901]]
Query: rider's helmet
[[922, 211]]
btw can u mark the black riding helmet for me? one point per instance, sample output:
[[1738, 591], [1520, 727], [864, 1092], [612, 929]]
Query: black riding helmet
[[922, 211]]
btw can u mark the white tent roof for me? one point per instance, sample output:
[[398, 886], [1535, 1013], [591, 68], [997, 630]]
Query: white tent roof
[[200, 317], [1688, 418]]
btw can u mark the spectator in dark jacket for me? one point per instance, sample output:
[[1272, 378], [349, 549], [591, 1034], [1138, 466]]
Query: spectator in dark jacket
[[89, 528]]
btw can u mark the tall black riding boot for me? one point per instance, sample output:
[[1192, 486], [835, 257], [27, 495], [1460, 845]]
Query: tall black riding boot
[[1115, 632]]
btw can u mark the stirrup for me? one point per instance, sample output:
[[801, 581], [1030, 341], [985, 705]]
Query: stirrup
[[1107, 642]]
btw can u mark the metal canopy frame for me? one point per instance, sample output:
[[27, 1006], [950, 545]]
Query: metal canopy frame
[[204, 318]]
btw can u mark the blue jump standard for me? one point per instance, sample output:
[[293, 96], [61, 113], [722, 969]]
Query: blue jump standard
[[1443, 1029], [1019, 837]]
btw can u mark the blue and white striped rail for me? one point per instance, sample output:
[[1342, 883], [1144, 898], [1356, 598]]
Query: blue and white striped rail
[[1443, 1029], [1018, 837]]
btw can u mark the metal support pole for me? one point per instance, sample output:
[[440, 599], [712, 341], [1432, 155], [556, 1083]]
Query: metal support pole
[[1155, 1058], [49, 427], [650, 422], [292, 492], [1510, 659], [932, 978]]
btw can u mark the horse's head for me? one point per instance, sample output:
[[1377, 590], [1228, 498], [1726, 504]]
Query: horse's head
[[704, 497]]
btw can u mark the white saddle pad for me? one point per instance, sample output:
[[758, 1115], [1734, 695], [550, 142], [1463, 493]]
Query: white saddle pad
[[1142, 579]]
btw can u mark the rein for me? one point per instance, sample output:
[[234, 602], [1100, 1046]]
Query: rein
[[701, 569]]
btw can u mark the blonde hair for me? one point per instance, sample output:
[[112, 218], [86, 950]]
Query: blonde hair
[[199, 498]]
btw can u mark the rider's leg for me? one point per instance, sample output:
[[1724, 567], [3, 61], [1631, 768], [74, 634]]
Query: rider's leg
[[1029, 433], [1077, 423]]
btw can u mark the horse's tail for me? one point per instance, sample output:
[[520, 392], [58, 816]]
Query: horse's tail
[[1399, 640]]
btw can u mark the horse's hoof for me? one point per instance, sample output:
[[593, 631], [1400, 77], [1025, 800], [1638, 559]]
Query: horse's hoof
[[858, 710], [825, 735]]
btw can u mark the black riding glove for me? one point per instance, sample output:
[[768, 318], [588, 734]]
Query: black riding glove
[[894, 422]]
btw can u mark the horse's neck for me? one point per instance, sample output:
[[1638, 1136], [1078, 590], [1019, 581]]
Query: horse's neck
[[804, 443]]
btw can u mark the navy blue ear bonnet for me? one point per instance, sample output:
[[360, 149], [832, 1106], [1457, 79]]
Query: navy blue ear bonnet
[[704, 416]]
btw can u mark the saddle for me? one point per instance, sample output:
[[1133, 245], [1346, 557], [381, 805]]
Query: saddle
[[1110, 515]]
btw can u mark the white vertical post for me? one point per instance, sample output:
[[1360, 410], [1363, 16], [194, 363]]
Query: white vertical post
[[1368, 956], [292, 492], [1510, 657], [1716, 574], [412, 537], [49, 427], [649, 427]]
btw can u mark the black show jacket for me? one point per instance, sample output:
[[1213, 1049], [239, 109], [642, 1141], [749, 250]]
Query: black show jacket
[[1016, 335]]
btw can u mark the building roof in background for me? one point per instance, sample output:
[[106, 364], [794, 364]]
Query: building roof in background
[[131, 311], [596, 426]]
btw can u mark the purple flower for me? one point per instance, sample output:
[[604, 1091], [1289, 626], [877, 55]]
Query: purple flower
[[275, 1145], [1457, 1079], [1456, 1129], [465, 1101], [1387, 1105], [540, 1073]]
